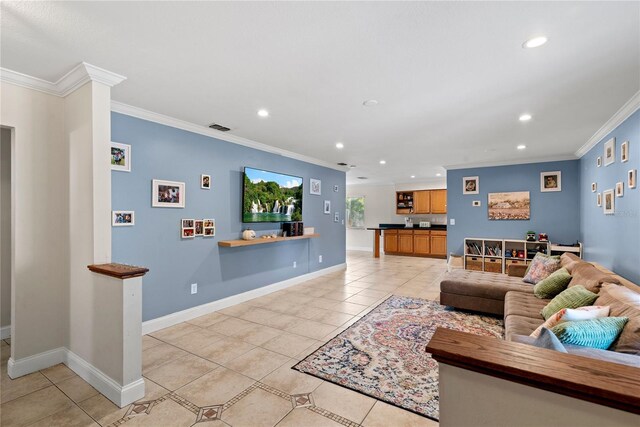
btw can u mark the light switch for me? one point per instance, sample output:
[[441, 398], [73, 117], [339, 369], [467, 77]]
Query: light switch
[[452, 221]]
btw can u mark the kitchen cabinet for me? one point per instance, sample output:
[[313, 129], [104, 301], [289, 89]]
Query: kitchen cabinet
[[416, 242], [405, 241], [391, 241], [422, 202], [438, 243], [421, 242], [438, 201]]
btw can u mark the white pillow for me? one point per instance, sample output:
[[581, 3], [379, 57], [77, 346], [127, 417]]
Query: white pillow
[[573, 314]]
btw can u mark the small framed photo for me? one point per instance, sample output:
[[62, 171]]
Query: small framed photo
[[608, 202], [594, 187], [336, 217], [315, 186], [199, 227], [550, 181], [209, 227], [188, 223], [187, 233], [599, 199], [167, 194], [619, 189], [120, 157], [599, 161], [632, 178], [609, 152], [335, 188], [205, 182], [476, 203], [471, 185], [327, 207], [209, 232], [123, 218], [624, 152], [187, 228], [208, 223]]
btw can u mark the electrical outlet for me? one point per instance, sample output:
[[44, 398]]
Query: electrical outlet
[[320, 258], [194, 288], [295, 264], [452, 221]]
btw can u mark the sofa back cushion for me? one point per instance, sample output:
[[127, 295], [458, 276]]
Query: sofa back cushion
[[590, 277], [623, 302], [569, 261]]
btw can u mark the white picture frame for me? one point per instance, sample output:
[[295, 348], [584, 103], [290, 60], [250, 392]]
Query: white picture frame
[[599, 161], [550, 181], [599, 199], [120, 157], [123, 218], [476, 203], [471, 185], [199, 227], [327, 207], [632, 178], [336, 188], [315, 186], [187, 228], [336, 216], [624, 152], [167, 194], [205, 182], [619, 189], [594, 187], [608, 202], [209, 227], [610, 152]]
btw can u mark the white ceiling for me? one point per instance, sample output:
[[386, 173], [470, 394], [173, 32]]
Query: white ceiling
[[451, 78]]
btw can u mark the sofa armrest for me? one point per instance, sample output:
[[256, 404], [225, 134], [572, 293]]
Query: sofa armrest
[[517, 270]]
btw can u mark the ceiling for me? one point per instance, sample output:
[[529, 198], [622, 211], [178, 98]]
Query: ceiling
[[451, 78]]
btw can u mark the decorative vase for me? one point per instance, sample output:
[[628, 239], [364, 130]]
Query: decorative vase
[[248, 234]]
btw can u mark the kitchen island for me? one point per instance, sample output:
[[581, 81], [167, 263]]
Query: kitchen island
[[413, 241]]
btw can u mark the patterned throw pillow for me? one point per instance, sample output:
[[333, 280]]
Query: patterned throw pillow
[[574, 297], [541, 266], [552, 285], [596, 333], [570, 315]]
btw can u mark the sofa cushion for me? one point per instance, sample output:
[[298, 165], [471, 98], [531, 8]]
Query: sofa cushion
[[549, 340], [595, 333], [482, 284], [623, 302], [541, 267], [519, 325], [590, 277], [574, 297], [522, 304], [555, 283], [569, 261], [571, 314]]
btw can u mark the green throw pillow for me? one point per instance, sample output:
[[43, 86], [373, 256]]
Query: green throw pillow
[[595, 333], [555, 283], [573, 297]]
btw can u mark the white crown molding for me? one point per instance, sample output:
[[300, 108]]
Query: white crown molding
[[78, 76], [511, 162], [630, 107], [140, 113]]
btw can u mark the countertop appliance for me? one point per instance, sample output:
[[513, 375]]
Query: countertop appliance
[[425, 224]]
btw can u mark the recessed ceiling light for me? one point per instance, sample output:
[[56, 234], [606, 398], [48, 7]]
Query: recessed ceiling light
[[525, 117], [339, 145], [370, 103], [438, 174], [263, 113], [534, 42], [383, 162], [521, 147], [413, 176], [352, 166]]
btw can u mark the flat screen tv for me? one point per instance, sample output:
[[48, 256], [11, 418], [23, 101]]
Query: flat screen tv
[[271, 197]]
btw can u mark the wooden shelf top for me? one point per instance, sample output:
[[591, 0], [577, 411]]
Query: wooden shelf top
[[120, 271], [605, 383], [260, 241]]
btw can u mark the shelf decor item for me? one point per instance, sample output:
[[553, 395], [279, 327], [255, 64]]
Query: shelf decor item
[[609, 204], [509, 206], [315, 186], [248, 234], [167, 194], [543, 237], [122, 218], [531, 236], [205, 182], [610, 152], [470, 185], [550, 181], [120, 157], [624, 152]]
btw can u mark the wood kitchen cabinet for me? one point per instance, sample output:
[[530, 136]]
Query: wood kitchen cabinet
[[391, 240], [422, 202], [421, 242], [416, 242], [438, 201], [405, 241], [438, 243]]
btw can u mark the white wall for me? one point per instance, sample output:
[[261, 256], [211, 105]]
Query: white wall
[[5, 227], [41, 231]]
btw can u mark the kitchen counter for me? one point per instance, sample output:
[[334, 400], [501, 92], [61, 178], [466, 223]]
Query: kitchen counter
[[440, 229], [401, 226]]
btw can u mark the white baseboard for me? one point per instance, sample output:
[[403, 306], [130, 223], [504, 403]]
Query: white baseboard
[[200, 310], [5, 332], [120, 395], [360, 248]]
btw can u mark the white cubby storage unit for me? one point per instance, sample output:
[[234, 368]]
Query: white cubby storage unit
[[495, 255]]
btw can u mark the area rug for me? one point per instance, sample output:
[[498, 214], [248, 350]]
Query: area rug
[[383, 354]]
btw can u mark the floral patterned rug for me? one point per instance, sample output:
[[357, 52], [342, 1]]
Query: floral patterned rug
[[383, 354]]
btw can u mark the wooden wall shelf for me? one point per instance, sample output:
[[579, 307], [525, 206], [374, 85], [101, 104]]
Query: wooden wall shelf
[[259, 241]]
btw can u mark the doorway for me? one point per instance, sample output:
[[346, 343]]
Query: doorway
[[5, 231]]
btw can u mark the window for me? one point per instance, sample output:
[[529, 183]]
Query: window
[[355, 212]]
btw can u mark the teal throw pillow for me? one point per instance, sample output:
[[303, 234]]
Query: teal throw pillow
[[555, 283], [574, 297], [595, 333]]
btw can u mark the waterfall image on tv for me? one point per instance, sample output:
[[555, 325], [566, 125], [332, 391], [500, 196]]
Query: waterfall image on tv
[[271, 197]]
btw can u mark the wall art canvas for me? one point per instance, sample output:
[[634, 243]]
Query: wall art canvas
[[619, 189], [120, 157], [327, 207], [608, 202], [632, 178], [509, 206], [609, 151], [205, 182], [550, 181], [624, 152], [123, 218], [167, 194], [470, 185], [315, 186]]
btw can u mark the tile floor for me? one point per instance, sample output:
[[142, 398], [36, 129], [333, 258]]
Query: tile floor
[[233, 367]]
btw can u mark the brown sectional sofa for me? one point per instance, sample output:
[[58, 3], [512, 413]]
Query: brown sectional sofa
[[509, 296]]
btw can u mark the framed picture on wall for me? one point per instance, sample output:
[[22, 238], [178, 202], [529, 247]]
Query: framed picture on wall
[[599, 199], [336, 217], [187, 228], [599, 161], [594, 187], [167, 194], [624, 152], [610, 151], [632, 178], [471, 185], [550, 181], [199, 227], [509, 206], [619, 189], [205, 182], [608, 203], [123, 218], [120, 157], [209, 227], [315, 186], [327, 207]]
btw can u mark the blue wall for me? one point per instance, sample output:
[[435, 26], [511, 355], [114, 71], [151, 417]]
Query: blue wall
[[555, 213], [613, 240], [162, 152]]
